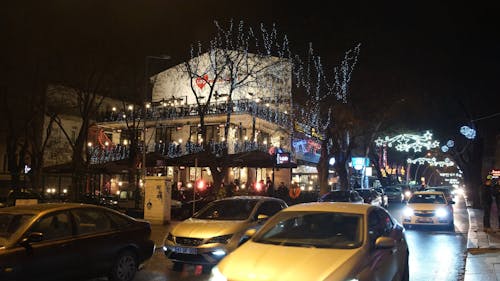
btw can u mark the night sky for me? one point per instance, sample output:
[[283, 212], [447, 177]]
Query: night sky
[[440, 55]]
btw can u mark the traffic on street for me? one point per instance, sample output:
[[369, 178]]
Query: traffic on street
[[436, 253]]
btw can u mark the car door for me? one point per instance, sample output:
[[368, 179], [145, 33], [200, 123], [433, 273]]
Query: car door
[[99, 240], [54, 256], [382, 264]]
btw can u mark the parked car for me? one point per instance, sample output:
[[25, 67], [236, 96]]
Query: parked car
[[68, 241], [394, 194], [217, 229], [321, 241], [342, 196], [370, 196], [429, 208], [385, 198]]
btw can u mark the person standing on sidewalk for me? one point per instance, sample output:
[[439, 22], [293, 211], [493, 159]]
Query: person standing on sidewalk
[[496, 193], [487, 201]]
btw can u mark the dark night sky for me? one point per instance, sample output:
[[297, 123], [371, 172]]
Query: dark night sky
[[438, 53]]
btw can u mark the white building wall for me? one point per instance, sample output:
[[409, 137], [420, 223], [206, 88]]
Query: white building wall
[[175, 83]]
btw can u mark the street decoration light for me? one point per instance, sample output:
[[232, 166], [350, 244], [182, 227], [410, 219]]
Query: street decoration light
[[468, 132], [431, 161], [406, 142]]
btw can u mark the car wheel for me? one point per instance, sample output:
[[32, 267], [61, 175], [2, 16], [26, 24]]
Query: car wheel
[[406, 271], [124, 267], [178, 266]]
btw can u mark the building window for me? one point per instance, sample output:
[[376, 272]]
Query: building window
[[164, 134]]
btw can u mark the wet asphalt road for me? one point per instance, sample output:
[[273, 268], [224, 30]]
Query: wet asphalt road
[[435, 254]]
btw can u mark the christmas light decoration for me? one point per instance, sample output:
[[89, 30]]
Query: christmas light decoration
[[432, 161], [468, 132], [406, 142]]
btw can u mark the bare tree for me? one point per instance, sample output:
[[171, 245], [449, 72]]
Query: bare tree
[[239, 56], [326, 111], [89, 89]]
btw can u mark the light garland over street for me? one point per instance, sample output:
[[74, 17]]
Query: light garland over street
[[432, 161], [406, 142]]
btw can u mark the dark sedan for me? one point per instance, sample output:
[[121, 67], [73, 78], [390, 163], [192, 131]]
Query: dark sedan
[[65, 241], [342, 196]]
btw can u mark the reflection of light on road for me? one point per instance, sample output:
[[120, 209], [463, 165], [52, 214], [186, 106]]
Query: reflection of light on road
[[428, 250], [441, 252]]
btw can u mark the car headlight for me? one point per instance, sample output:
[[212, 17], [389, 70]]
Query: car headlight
[[408, 212], [217, 275], [407, 193], [441, 213], [224, 239]]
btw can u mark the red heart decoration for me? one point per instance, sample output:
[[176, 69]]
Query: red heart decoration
[[201, 82]]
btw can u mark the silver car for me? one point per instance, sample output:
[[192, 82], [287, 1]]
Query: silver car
[[218, 229]]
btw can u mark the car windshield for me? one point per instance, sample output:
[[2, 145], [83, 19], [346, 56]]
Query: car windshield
[[427, 198], [10, 223], [443, 190], [227, 210], [313, 230]]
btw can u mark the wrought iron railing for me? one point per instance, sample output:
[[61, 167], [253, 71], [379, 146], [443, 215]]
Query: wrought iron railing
[[99, 155], [266, 111]]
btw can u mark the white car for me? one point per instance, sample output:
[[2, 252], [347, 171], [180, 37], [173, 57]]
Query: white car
[[327, 241], [428, 208]]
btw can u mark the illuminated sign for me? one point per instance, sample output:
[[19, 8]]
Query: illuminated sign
[[359, 162], [282, 158], [495, 173]]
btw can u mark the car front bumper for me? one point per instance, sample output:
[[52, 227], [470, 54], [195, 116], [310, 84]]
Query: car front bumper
[[195, 255]]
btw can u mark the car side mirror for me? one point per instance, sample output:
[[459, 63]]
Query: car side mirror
[[384, 243], [31, 238]]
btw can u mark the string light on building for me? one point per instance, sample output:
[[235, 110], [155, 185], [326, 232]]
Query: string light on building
[[406, 142]]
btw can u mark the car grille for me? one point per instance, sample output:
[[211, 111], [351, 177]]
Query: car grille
[[424, 213], [186, 241]]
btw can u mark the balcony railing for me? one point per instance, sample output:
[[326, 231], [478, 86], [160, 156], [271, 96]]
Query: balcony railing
[[99, 155], [266, 111]]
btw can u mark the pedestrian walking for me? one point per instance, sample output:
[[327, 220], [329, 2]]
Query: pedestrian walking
[[487, 201], [269, 187]]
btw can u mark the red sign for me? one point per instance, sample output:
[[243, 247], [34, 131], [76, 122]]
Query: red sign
[[495, 173]]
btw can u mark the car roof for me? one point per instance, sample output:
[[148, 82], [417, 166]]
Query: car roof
[[42, 207], [340, 207], [428, 192]]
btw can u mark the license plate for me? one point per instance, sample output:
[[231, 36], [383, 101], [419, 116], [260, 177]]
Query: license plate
[[183, 250], [425, 220]]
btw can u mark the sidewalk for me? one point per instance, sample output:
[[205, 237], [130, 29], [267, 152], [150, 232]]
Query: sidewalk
[[483, 248]]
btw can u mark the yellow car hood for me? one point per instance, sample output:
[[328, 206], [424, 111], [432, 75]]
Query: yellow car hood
[[256, 261], [196, 228]]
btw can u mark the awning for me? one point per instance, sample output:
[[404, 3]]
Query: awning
[[253, 159]]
